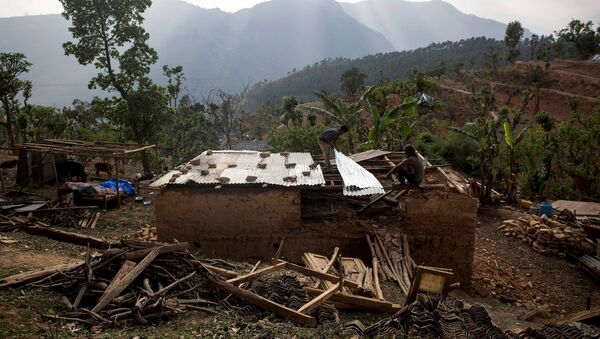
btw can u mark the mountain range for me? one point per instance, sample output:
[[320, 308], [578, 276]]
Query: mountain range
[[230, 50]]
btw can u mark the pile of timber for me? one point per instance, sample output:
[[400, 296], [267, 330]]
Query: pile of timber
[[548, 236], [352, 269], [71, 217], [146, 233], [392, 260], [136, 284]]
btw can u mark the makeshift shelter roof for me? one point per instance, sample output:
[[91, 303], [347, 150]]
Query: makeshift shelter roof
[[246, 167], [85, 148]]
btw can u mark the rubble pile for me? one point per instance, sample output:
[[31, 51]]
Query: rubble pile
[[113, 290], [284, 289], [549, 236], [433, 317], [65, 217]]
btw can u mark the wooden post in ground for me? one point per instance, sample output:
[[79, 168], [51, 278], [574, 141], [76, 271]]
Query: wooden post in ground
[[117, 182]]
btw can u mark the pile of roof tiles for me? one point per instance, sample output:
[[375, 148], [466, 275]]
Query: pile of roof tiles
[[432, 317], [285, 290]]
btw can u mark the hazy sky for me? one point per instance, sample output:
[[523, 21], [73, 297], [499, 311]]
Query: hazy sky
[[540, 16]]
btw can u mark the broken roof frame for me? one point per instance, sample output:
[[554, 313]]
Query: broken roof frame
[[83, 148]]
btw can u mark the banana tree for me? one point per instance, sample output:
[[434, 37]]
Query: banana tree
[[404, 114], [485, 132], [344, 113], [511, 120]]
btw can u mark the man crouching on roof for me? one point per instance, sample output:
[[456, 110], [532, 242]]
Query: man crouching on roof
[[410, 169], [327, 141]]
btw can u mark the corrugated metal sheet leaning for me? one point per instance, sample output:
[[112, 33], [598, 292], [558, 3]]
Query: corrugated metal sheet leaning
[[357, 180], [239, 166]]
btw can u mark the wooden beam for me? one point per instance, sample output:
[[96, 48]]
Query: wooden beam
[[270, 269], [110, 294], [317, 274], [38, 274], [140, 254], [321, 298], [376, 279], [264, 303], [220, 271], [359, 302], [70, 237], [580, 316]]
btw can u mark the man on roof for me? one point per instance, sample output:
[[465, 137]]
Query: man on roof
[[410, 169], [327, 140]]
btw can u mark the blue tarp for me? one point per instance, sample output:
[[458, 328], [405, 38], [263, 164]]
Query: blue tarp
[[124, 185]]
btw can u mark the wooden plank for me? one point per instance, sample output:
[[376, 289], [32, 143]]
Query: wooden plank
[[96, 217], [367, 155], [264, 303], [580, 316], [376, 199], [70, 237], [336, 252], [25, 277], [220, 271], [123, 271], [109, 295], [359, 302], [321, 298], [270, 269], [323, 276], [378, 291]]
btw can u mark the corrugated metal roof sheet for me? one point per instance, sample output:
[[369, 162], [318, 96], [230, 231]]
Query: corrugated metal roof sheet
[[357, 180], [246, 164]]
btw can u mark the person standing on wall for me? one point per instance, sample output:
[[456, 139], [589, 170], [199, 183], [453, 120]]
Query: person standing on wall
[[327, 140]]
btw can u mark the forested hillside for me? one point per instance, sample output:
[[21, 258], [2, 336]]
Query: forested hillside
[[325, 75]]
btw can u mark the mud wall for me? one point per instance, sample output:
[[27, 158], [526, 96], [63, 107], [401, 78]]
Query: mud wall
[[441, 231], [248, 223]]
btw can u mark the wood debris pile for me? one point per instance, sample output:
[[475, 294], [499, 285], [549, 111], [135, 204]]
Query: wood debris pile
[[146, 233], [392, 260], [65, 217], [549, 236], [136, 284]]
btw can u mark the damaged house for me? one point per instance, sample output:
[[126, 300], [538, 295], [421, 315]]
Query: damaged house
[[241, 204]]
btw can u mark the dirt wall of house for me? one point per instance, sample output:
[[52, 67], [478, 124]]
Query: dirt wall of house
[[441, 231], [247, 223]]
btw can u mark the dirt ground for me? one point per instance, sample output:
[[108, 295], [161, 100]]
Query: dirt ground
[[518, 280]]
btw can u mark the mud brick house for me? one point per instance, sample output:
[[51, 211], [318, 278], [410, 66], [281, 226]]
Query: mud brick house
[[240, 204]]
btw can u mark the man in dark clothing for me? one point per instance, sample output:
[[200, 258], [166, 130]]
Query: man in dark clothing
[[328, 139], [410, 169]]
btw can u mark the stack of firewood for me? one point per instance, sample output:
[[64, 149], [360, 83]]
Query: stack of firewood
[[146, 233], [392, 260], [548, 236]]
